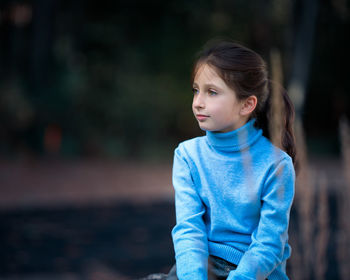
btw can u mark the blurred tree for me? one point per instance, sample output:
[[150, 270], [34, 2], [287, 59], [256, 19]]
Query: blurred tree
[[113, 76]]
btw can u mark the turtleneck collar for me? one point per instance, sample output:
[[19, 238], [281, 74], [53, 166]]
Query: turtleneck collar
[[235, 140]]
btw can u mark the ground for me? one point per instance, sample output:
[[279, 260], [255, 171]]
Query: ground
[[85, 219], [96, 219]]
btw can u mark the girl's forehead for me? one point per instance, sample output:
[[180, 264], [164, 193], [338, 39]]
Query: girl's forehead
[[205, 71], [207, 74]]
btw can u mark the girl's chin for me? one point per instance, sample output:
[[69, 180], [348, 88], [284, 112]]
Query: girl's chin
[[215, 129], [207, 128]]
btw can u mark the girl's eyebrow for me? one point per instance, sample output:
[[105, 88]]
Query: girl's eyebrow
[[208, 86]]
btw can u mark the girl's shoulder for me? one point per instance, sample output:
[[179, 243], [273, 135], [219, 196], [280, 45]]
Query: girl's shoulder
[[190, 146], [272, 160], [272, 152], [192, 142]]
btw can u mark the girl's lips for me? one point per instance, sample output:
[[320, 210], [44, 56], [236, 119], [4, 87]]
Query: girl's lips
[[202, 117]]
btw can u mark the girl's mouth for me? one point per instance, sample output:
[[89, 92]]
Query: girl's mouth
[[201, 117]]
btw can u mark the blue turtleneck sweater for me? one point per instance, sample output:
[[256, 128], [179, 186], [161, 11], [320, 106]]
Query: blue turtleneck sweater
[[233, 194]]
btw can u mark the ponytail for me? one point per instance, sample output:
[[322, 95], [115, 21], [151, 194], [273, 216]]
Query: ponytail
[[265, 119]]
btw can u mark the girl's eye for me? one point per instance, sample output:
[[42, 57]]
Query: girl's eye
[[194, 90], [212, 92]]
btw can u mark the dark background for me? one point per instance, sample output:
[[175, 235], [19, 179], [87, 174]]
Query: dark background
[[111, 78]]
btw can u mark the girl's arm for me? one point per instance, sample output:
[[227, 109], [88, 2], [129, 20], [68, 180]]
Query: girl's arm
[[189, 234], [269, 239]]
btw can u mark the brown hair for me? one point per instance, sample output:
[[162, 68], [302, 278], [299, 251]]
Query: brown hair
[[246, 73]]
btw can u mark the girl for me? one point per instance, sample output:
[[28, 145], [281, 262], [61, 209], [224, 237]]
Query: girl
[[233, 187]]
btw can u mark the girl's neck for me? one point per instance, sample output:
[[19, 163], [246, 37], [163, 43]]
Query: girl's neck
[[235, 140]]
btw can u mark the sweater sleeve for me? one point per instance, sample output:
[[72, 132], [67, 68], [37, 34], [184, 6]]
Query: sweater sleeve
[[269, 239], [189, 234]]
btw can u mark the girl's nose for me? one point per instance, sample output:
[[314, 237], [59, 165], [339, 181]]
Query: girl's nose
[[198, 101]]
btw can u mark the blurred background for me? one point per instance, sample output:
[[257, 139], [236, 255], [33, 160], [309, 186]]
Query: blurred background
[[95, 96]]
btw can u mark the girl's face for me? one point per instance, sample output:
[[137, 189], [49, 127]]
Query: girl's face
[[215, 105]]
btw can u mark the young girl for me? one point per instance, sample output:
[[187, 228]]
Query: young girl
[[233, 187]]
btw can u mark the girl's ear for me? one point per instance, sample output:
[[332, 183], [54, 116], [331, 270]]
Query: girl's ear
[[248, 105]]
